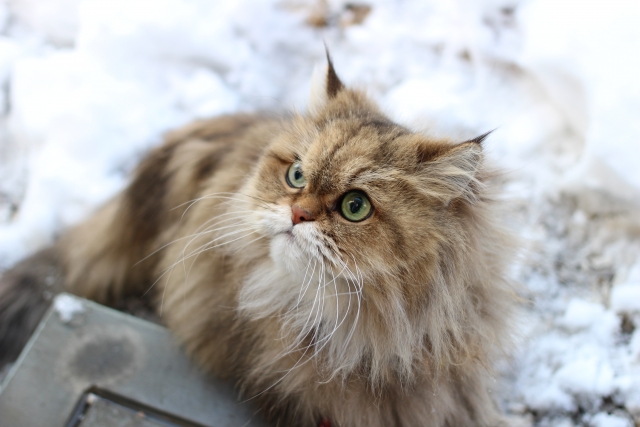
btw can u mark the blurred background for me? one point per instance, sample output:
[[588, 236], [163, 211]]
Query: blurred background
[[88, 86]]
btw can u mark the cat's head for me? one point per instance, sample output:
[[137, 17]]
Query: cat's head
[[347, 186], [364, 217]]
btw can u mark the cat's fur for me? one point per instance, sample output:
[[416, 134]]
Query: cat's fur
[[392, 321]]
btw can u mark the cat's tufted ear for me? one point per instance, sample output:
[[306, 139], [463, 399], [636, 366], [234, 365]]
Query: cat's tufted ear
[[451, 171], [325, 85]]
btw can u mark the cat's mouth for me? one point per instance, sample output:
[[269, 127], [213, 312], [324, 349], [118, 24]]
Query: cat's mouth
[[289, 237], [297, 243]]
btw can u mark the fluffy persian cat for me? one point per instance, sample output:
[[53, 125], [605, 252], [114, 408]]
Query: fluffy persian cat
[[341, 268]]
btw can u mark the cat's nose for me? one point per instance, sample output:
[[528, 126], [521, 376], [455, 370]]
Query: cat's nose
[[298, 215]]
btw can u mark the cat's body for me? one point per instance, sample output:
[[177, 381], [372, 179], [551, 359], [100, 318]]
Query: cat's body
[[237, 226]]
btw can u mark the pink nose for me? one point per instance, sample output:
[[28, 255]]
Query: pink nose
[[298, 215]]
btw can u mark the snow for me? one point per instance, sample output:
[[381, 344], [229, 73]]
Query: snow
[[605, 420], [67, 306], [626, 297], [88, 86]]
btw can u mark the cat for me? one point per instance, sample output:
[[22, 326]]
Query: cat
[[341, 268]]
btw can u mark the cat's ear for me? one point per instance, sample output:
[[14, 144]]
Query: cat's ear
[[451, 171], [325, 85]]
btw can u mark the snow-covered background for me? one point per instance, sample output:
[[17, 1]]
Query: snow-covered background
[[87, 86]]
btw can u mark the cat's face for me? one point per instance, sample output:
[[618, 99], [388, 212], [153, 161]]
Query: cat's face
[[357, 193], [346, 191], [334, 193]]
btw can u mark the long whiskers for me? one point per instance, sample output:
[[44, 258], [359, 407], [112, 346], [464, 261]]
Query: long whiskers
[[223, 195], [199, 233], [239, 228]]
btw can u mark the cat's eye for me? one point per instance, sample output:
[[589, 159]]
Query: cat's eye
[[295, 177], [356, 206]]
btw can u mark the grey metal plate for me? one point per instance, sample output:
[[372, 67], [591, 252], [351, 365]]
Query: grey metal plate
[[102, 412], [119, 358]]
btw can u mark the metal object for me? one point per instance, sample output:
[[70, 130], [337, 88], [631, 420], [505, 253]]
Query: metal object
[[97, 367]]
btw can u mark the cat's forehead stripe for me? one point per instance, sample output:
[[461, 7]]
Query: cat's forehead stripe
[[341, 176], [348, 149]]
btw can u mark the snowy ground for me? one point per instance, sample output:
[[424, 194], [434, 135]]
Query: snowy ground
[[89, 85]]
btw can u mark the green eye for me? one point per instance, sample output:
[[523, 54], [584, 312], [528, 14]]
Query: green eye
[[295, 178], [356, 206]]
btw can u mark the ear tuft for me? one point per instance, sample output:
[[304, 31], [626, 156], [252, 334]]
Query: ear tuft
[[333, 83], [325, 85], [451, 172], [481, 138]]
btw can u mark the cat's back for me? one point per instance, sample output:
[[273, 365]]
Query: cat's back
[[194, 162], [202, 145], [182, 169]]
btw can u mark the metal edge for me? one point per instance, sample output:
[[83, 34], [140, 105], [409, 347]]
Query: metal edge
[[27, 349]]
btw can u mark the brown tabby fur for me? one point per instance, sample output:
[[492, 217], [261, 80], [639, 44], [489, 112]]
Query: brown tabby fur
[[392, 321]]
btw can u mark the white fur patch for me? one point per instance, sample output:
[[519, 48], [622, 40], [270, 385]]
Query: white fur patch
[[292, 247], [304, 284]]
